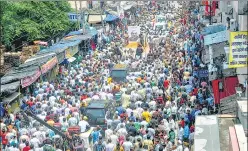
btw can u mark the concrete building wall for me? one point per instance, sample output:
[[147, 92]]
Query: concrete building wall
[[73, 4]]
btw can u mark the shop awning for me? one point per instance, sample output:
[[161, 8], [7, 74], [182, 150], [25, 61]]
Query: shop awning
[[93, 19], [213, 29], [71, 59], [16, 74], [40, 59], [49, 65], [10, 87], [79, 32], [111, 17], [11, 97], [80, 37]]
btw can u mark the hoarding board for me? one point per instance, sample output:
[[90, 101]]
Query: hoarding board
[[238, 49]]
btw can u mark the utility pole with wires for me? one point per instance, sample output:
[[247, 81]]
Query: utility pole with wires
[[81, 21], [78, 25]]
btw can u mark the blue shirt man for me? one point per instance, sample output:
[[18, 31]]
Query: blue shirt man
[[188, 88], [95, 135], [186, 132]]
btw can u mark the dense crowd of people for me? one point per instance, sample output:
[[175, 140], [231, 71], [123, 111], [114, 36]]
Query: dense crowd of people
[[160, 98]]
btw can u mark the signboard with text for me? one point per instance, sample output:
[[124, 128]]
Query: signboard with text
[[238, 49], [49, 65]]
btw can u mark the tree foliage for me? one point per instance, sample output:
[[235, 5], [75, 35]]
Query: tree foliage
[[34, 20]]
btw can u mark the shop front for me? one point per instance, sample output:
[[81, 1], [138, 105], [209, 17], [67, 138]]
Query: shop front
[[49, 70], [27, 81], [70, 54]]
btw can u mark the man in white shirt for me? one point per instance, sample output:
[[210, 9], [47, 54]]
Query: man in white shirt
[[144, 123], [122, 131], [72, 121], [180, 132], [128, 111], [127, 145], [114, 138], [13, 148], [108, 133], [179, 146], [110, 146], [83, 124], [35, 141]]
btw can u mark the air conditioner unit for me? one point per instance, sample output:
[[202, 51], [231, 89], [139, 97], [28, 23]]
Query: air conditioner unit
[[242, 19], [229, 10], [233, 25]]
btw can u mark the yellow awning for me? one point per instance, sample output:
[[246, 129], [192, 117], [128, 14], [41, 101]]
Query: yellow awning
[[95, 18]]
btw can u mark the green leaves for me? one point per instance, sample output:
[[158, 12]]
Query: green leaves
[[34, 20]]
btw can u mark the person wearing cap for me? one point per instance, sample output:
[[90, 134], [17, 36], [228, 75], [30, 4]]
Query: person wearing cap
[[179, 145], [84, 125], [35, 141], [186, 146]]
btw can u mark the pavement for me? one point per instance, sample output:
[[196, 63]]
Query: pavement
[[224, 124]]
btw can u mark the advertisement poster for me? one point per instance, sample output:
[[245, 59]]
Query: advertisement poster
[[49, 65], [133, 33], [238, 49]]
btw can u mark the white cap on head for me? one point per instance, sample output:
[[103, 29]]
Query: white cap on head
[[179, 142]]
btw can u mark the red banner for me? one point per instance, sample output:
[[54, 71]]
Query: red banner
[[207, 7], [49, 65], [229, 85], [30, 79]]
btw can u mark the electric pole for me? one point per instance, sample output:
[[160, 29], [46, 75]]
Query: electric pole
[[81, 21], [78, 25]]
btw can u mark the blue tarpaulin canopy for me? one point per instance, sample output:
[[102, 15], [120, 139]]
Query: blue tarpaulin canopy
[[213, 29], [111, 17], [56, 48], [79, 32], [79, 37], [89, 30], [70, 43]]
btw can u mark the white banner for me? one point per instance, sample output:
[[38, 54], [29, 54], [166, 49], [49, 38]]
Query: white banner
[[133, 33]]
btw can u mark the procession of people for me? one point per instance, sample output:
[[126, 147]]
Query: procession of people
[[159, 99]]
